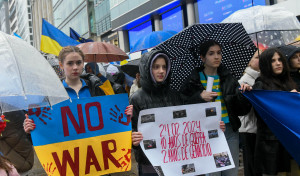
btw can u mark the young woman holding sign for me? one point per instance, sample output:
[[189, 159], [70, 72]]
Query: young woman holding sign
[[225, 89], [71, 60], [154, 92]]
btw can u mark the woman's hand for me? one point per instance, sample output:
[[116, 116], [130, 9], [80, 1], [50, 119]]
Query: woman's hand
[[222, 126], [245, 87], [208, 96], [128, 110], [137, 137], [28, 124]]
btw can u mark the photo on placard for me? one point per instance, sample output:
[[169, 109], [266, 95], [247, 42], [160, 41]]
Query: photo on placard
[[147, 118], [211, 111], [179, 114], [213, 134], [188, 168], [159, 171], [149, 144], [222, 159]]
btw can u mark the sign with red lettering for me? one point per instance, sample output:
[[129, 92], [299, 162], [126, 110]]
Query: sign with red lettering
[[89, 136], [185, 140]]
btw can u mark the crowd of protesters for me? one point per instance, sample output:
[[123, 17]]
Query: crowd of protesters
[[272, 69]]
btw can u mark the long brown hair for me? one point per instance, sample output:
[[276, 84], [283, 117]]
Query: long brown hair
[[5, 164]]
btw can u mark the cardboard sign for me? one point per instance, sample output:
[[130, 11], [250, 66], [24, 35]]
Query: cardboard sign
[[185, 140], [89, 136]]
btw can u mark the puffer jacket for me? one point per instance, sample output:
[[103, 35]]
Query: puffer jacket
[[14, 143], [119, 79], [236, 103], [150, 95], [94, 84]]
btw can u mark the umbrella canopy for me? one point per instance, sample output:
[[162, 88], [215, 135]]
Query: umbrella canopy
[[111, 69], [131, 68], [102, 52], [151, 40], [27, 79], [269, 25], [183, 49]]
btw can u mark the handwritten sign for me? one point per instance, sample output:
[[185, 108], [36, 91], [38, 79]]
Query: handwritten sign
[[89, 136], [185, 140]]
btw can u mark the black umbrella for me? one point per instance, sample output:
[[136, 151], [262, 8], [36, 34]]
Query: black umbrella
[[131, 68], [237, 49]]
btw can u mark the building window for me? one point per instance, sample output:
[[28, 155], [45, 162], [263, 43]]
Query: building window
[[114, 3], [220, 9], [138, 32], [172, 20]]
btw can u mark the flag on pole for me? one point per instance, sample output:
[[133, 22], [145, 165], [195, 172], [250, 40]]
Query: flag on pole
[[280, 110], [53, 39], [74, 35]]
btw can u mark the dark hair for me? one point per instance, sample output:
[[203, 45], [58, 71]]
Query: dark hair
[[204, 47], [271, 81], [67, 50], [5, 164]]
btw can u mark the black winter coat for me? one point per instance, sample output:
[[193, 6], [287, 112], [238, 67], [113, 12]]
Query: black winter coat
[[151, 95], [119, 79], [270, 156], [94, 84], [296, 77], [14, 143], [236, 103]]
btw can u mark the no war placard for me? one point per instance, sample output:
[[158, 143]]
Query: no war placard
[[89, 136]]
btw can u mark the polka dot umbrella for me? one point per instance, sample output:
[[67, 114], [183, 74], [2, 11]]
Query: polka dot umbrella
[[183, 49]]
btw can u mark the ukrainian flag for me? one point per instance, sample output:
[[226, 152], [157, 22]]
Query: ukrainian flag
[[279, 109], [106, 86], [53, 39]]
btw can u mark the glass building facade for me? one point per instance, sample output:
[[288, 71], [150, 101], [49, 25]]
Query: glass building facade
[[121, 7], [220, 9], [4, 13], [72, 13], [20, 19], [173, 20], [137, 18], [102, 16]]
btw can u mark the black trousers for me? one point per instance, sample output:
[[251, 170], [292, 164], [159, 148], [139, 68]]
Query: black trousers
[[248, 146]]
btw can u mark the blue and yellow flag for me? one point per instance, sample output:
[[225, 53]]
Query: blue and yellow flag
[[52, 39], [106, 86], [74, 35], [280, 110], [88, 136]]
